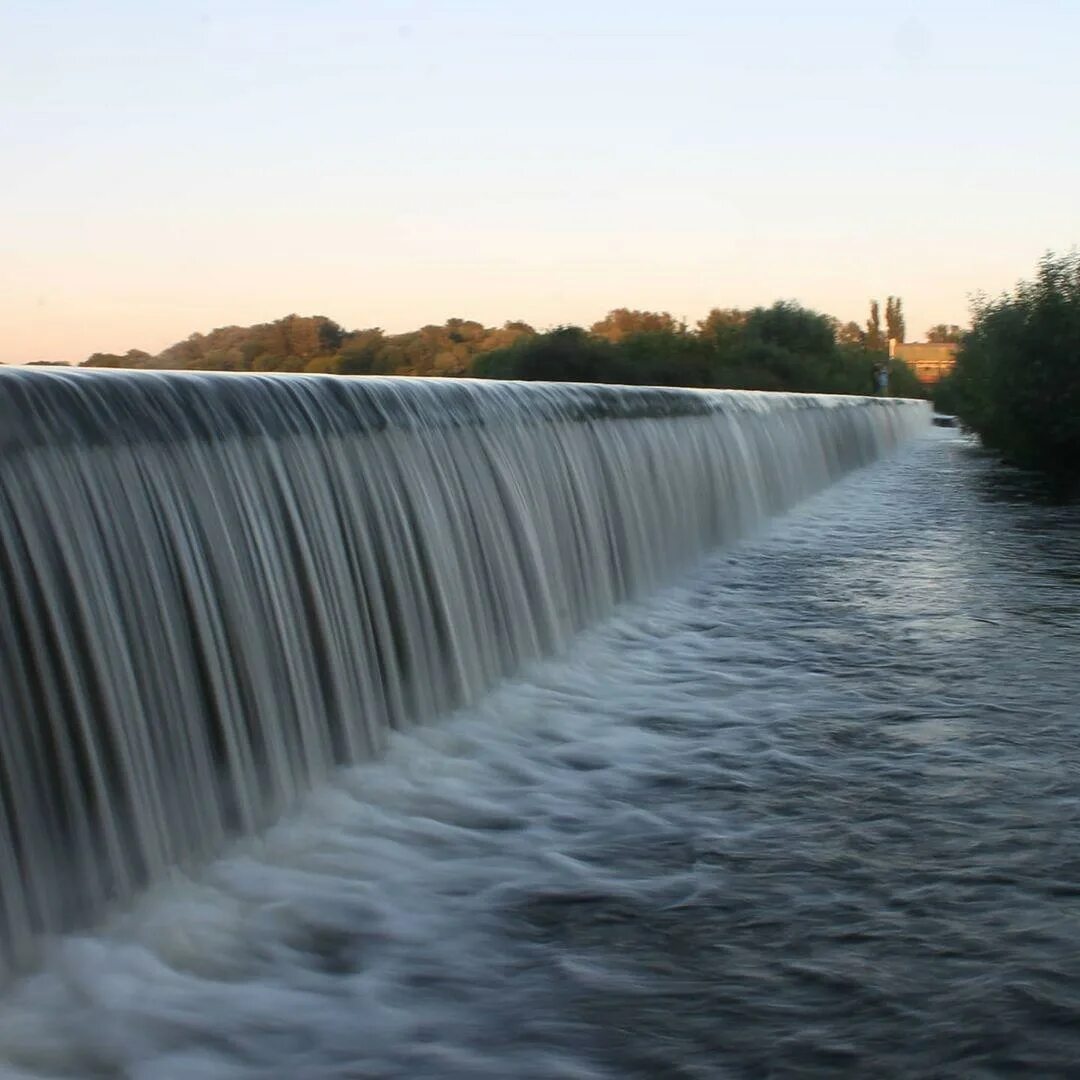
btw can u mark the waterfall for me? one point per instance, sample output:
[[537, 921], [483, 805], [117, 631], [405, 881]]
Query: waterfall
[[219, 587]]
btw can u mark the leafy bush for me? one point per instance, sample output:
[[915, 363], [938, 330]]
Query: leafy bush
[[567, 354], [1017, 376]]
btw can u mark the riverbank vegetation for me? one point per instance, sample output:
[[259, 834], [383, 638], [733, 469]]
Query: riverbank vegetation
[[1017, 376], [783, 347]]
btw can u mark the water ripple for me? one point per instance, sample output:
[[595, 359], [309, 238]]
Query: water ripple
[[813, 812]]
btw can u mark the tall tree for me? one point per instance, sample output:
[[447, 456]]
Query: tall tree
[[874, 340], [894, 319]]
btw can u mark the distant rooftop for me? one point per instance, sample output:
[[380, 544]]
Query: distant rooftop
[[930, 360]]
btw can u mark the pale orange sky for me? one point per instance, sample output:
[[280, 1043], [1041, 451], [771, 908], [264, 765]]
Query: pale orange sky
[[396, 163]]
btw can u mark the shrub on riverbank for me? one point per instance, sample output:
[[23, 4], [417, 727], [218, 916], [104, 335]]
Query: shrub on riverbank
[[1017, 376]]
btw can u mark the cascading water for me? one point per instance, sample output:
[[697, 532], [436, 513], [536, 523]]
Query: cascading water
[[218, 587]]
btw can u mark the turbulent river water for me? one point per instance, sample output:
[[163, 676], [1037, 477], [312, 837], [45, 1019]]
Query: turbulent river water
[[811, 811]]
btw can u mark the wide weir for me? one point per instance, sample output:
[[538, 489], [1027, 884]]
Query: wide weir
[[220, 588]]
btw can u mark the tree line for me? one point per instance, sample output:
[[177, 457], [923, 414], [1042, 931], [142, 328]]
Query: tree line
[[782, 347], [318, 344], [1017, 376]]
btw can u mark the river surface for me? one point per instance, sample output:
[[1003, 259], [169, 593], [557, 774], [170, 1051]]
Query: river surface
[[812, 811]]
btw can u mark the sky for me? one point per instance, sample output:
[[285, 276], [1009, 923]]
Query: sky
[[167, 168]]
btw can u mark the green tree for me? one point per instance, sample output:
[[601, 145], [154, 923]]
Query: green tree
[[664, 358], [1017, 375], [851, 333], [874, 340], [565, 354], [785, 347], [792, 327], [361, 353], [894, 319], [943, 334]]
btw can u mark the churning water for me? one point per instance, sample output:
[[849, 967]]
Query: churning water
[[810, 811]]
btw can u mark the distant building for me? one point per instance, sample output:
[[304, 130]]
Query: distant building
[[928, 360]]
